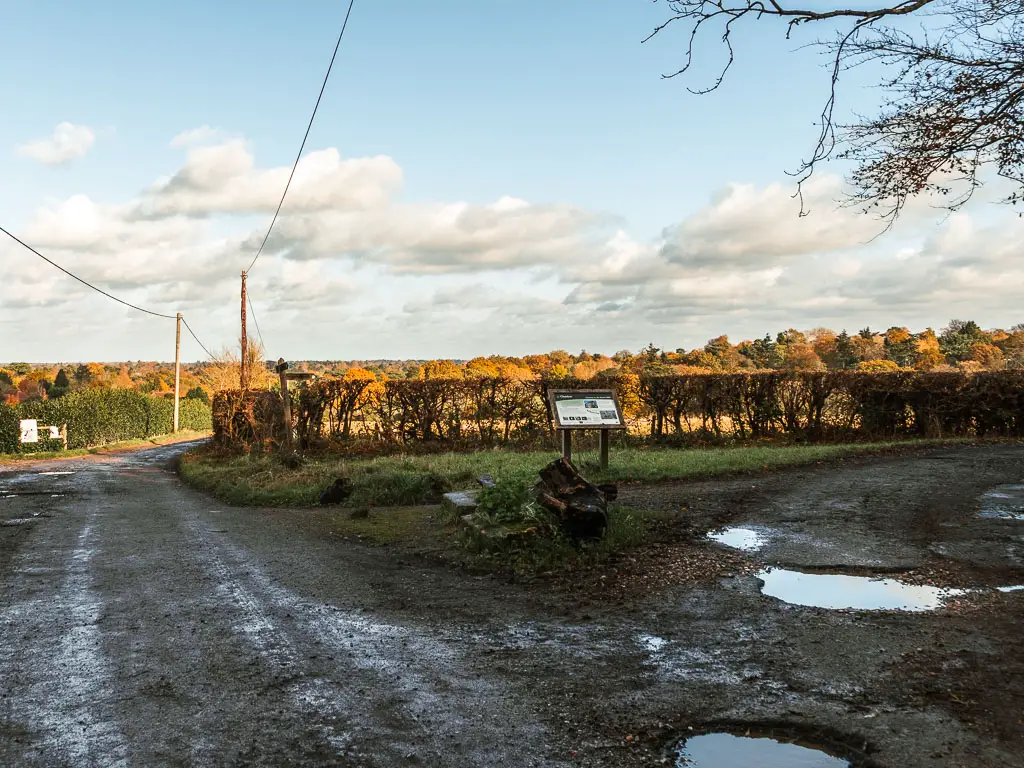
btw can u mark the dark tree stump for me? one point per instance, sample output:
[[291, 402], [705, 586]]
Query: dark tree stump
[[336, 493], [580, 507]]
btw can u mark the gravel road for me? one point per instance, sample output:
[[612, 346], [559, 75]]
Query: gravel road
[[144, 624]]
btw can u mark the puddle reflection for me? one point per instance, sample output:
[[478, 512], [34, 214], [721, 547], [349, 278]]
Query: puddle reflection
[[746, 539], [831, 590], [723, 750], [1004, 502]]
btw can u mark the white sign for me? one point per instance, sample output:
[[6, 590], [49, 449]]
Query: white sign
[[29, 431], [54, 433], [586, 408]]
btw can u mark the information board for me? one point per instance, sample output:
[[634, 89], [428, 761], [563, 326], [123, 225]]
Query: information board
[[586, 409], [29, 431]]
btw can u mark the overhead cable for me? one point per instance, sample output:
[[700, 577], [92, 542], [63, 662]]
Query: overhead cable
[[83, 282], [197, 338], [309, 127]]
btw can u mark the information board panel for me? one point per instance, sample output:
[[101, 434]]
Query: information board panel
[[29, 431], [586, 409]]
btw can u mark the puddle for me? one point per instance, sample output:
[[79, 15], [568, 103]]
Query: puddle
[[56, 473], [1004, 502], [1017, 588], [20, 521], [746, 539], [652, 643], [723, 750], [831, 590]]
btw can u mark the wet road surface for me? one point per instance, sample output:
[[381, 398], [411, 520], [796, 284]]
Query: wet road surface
[[144, 624], [137, 630]]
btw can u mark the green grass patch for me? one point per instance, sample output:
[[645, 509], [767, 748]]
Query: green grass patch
[[397, 490], [262, 480], [121, 445]]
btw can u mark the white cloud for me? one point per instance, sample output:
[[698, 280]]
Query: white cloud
[[462, 278], [223, 178], [204, 134], [445, 238], [68, 142]]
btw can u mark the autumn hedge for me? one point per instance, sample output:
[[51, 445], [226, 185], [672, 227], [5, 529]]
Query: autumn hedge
[[358, 415]]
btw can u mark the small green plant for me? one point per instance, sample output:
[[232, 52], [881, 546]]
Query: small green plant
[[509, 500]]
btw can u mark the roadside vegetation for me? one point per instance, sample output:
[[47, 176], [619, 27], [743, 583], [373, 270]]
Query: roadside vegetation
[[393, 499], [264, 480]]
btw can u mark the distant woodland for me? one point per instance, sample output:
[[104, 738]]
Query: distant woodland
[[961, 346]]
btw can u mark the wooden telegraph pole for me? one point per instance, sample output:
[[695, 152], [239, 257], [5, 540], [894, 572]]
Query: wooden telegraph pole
[[244, 373], [177, 370]]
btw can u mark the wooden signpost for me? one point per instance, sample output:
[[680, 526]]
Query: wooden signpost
[[586, 409], [286, 376]]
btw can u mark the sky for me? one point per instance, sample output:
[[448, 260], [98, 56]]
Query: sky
[[481, 178]]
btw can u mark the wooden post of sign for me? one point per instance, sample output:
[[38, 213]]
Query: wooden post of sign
[[605, 440], [64, 434], [567, 444], [282, 366]]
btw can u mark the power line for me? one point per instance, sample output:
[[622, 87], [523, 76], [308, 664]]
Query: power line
[[197, 338], [100, 290], [257, 324], [83, 282], [309, 127]]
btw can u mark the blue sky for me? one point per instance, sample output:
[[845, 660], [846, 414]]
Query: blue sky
[[557, 104]]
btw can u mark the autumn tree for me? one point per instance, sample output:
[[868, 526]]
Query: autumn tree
[[900, 347], [987, 355], [441, 369], [952, 87], [868, 345], [929, 355], [481, 367], [124, 379]]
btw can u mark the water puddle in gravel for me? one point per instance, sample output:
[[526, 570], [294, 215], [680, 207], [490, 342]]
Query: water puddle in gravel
[[652, 643], [20, 521], [1004, 502], [56, 473], [1017, 588], [723, 750], [746, 539], [832, 590]]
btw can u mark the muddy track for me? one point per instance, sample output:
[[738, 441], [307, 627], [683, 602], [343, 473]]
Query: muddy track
[[145, 624]]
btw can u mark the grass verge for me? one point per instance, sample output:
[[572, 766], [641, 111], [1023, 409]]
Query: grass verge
[[123, 445], [261, 480], [396, 490]]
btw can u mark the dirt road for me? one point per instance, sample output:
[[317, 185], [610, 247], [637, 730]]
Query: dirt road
[[144, 624]]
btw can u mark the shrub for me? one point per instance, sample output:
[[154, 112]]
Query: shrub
[[99, 416], [9, 433]]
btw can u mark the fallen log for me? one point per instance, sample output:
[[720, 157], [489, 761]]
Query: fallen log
[[580, 507]]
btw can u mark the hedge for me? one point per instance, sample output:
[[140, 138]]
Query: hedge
[[99, 416], [448, 414]]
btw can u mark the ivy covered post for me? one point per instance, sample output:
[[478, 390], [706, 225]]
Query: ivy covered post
[[281, 369]]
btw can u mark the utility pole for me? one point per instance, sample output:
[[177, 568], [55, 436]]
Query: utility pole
[[177, 370], [244, 374]]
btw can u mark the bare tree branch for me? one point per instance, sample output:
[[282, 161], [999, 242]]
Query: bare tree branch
[[954, 93]]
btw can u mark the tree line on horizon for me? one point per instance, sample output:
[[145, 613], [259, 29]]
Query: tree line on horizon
[[960, 346]]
